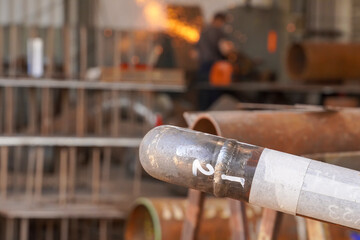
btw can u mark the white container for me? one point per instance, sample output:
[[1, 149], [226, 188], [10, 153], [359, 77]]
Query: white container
[[35, 60]]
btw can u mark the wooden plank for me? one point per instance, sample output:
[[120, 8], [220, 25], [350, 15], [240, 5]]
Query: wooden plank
[[63, 176], [115, 113], [72, 172], [81, 112], [9, 107], [238, 220], [30, 172], [64, 229], [4, 171], [69, 141], [103, 230], [39, 171], [193, 215], [122, 86], [270, 224], [46, 111], [83, 52], [24, 229], [53, 210], [95, 174], [50, 51]]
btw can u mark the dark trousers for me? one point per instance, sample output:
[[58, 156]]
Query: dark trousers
[[206, 97]]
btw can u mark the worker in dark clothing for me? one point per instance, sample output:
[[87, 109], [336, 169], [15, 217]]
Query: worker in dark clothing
[[212, 46]]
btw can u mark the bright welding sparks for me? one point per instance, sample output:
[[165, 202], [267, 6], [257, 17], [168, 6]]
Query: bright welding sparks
[[180, 29], [155, 14], [157, 17]]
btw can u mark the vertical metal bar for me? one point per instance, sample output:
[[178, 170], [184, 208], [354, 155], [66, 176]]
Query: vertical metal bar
[[2, 43], [72, 172], [64, 229], [238, 220], [99, 113], [95, 174], [115, 113], [67, 52], [50, 52], [30, 173], [32, 108], [9, 232], [2, 110], [103, 235], [63, 175], [13, 50], [193, 215], [106, 167], [270, 224], [49, 231], [131, 50], [24, 229], [65, 111], [99, 48], [9, 104], [74, 229], [80, 112], [4, 171], [17, 168], [317, 230], [137, 177], [131, 113], [46, 111], [117, 55], [39, 171], [83, 52]]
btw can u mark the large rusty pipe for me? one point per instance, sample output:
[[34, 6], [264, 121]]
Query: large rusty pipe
[[260, 176], [314, 61], [162, 219], [295, 132]]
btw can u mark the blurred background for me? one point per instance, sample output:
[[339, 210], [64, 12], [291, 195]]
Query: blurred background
[[82, 81]]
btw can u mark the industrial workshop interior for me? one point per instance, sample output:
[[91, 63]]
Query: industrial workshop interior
[[179, 119]]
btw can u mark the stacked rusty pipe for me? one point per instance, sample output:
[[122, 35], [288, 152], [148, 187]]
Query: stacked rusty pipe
[[282, 182], [162, 218], [323, 61]]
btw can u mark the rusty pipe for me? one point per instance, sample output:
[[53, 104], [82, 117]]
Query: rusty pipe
[[311, 61], [260, 176], [162, 218], [295, 132]]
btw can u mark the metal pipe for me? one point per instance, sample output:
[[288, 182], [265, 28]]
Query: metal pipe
[[311, 61], [162, 218], [296, 132], [260, 176]]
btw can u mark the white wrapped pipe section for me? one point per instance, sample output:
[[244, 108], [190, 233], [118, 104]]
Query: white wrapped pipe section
[[305, 187]]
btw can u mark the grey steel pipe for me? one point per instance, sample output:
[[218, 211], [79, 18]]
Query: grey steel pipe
[[260, 176]]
